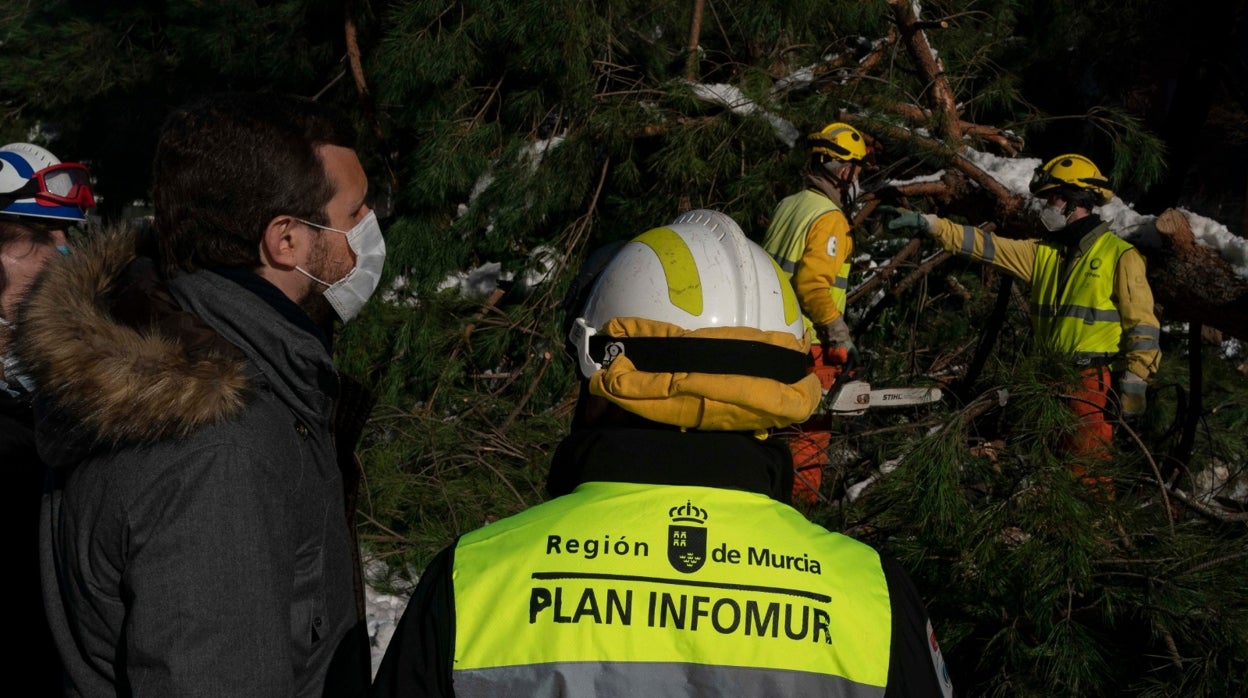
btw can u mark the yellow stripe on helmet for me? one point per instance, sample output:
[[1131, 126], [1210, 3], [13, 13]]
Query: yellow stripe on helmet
[[789, 298], [684, 285]]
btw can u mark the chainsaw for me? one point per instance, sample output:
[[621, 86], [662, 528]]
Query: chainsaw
[[854, 397]]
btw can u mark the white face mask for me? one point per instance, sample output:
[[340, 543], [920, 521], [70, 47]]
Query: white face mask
[[348, 294], [1052, 218]]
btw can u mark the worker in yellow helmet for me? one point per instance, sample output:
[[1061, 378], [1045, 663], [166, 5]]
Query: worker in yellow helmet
[[668, 562], [1090, 298], [809, 237]]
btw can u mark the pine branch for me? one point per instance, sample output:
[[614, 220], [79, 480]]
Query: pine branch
[[695, 34], [988, 338], [495, 296], [524, 399], [884, 272], [1009, 203], [877, 54], [1210, 564], [367, 106], [1122, 424], [1008, 142], [915, 40], [1216, 514]]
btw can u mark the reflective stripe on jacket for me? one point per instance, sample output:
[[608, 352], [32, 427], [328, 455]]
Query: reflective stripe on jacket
[[1072, 305], [787, 241], [618, 587]]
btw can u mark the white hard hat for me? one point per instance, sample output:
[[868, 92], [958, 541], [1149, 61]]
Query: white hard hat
[[697, 272], [34, 183]]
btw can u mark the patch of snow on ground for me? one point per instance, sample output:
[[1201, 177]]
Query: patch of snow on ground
[[382, 612]]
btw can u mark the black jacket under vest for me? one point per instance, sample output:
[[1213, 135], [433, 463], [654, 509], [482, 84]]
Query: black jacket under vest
[[419, 659]]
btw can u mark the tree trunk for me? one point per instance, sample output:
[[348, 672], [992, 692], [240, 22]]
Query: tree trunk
[[1192, 283]]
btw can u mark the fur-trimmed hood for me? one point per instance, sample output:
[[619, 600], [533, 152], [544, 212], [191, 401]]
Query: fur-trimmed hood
[[114, 355]]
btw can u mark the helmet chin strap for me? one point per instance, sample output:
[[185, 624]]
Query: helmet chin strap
[[838, 179], [845, 185]]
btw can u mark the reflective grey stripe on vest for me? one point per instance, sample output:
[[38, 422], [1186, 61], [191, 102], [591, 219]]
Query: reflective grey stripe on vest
[[787, 266], [1077, 312], [841, 282], [652, 680], [1146, 338]]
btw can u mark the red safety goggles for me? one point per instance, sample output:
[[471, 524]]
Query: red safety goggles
[[66, 184]]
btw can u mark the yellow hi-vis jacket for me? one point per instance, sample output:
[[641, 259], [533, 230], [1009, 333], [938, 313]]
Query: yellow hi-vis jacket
[[1095, 305], [1072, 309], [809, 238], [628, 589]]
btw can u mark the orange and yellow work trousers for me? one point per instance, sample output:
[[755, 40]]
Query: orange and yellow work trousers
[[809, 441], [1094, 434]]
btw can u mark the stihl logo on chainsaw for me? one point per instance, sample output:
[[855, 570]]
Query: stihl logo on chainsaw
[[856, 397]]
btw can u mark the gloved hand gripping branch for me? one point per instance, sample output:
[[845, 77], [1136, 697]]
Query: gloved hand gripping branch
[[905, 218]]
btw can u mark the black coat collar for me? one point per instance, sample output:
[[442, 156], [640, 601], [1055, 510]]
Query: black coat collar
[[729, 460]]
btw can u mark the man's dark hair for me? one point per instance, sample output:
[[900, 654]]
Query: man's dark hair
[[228, 164], [15, 233]]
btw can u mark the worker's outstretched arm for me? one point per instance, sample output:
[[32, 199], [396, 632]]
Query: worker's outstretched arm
[[1016, 257]]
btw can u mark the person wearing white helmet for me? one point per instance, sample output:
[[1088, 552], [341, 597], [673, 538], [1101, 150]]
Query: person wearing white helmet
[[1090, 298], [40, 198], [35, 185], [668, 561]]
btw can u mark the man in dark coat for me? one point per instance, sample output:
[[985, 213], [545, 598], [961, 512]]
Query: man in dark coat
[[197, 539]]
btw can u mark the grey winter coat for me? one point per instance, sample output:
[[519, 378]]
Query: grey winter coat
[[196, 540]]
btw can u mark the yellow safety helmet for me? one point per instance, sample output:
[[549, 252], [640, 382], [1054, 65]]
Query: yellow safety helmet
[[838, 141], [1071, 170]]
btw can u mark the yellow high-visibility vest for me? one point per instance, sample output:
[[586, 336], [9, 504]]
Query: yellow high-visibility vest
[[1076, 315], [618, 587], [786, 238]]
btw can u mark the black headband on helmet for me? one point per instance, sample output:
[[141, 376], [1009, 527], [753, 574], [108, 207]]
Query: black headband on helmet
[[703, 355]]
